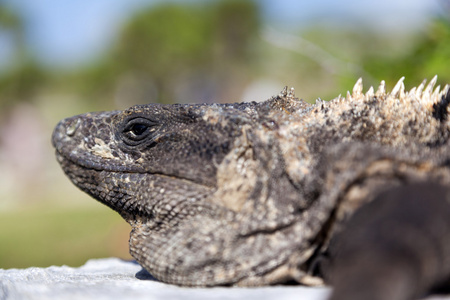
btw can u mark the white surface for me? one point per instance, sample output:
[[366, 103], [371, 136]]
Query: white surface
[[113, 278]]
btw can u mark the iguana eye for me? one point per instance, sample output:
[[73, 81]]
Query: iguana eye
[[138, 130]]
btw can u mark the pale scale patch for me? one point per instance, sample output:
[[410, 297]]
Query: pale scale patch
[[102, 149]]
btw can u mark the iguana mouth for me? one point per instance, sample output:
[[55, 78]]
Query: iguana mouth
[[67, 162], [97, 166], [84, 153]]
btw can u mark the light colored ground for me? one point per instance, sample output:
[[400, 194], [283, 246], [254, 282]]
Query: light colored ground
[[112, 278]]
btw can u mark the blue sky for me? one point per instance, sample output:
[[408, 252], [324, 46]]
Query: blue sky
[[69, 32]]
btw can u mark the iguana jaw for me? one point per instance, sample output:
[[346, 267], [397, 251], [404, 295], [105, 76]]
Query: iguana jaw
[[135, 196]]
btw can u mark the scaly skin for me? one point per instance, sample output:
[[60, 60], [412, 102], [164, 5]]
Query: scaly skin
[[253, 193]]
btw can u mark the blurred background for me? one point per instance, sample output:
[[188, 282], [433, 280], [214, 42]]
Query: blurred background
[[61, 58]]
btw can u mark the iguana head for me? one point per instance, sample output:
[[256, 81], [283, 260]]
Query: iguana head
[[147, 139]]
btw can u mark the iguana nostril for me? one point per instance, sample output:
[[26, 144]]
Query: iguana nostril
[[73, 126]]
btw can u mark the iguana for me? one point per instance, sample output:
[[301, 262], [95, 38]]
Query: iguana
[[353, 191]]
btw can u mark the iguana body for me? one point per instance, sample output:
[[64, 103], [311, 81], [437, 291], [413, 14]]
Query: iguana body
[[253, 193]]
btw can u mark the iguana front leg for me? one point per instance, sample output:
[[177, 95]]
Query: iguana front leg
[[396, 247]]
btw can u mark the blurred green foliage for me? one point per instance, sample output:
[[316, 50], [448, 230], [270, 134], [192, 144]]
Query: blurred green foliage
[[23, 83], [23, 80], [430, 56], [167, 44], [44, 237], [11, 21]]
